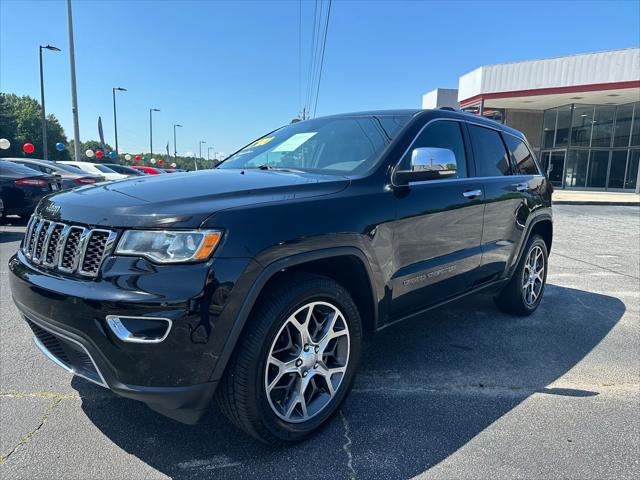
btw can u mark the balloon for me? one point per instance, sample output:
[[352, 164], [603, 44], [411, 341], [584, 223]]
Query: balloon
[[127, 157], [59, 146], [99, 154], [4, 144], [89, 153], [138, 158], [153, 161], [28, 147], [173, 165], [112, 155], [160, 162], [144, 159]]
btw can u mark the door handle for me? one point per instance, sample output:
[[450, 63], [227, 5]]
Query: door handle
[[472, 193], [521, 187]]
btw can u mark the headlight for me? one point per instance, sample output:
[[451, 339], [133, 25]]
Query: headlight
[[169, 246]]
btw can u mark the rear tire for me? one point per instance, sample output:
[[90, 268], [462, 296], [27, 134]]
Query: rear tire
[[273, 388], [523, 294]]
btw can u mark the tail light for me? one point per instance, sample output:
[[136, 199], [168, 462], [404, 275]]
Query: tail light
[[31, 182], [84, 181]]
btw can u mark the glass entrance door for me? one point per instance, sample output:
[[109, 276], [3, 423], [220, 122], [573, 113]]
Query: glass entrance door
[[553, 162]]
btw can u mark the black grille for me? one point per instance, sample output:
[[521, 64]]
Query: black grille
[[70, 249], [94, 251], [41, 234], [69, 353], [53, 244]]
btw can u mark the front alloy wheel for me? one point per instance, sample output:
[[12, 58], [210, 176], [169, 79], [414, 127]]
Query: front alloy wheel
[[295, 361], [307, 362]]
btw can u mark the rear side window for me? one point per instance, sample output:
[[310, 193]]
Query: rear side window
[[490, 154], [8, 168], [441, 134], [522, 157]]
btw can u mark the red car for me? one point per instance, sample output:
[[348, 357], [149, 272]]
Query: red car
[[148, 170]]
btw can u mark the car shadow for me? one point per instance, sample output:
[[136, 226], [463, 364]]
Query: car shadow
[[426, 387]]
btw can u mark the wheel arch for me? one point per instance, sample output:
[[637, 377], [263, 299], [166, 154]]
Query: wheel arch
[[346, 265]]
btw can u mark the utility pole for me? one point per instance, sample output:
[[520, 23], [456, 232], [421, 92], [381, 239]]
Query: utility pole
[[74, 93]]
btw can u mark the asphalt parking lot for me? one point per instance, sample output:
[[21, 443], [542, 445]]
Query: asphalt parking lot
[[465, 392]]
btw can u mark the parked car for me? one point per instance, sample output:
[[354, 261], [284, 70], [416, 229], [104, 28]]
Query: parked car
[[253, 283], [68, 176], [97, 169], [174, 170], [21, 188], [124, 170], [148, 170]]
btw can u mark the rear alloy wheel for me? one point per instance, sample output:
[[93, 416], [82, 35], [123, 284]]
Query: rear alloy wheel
[[295, 361], [523, 293]]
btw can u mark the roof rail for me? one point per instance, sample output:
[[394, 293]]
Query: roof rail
[[451, 109]]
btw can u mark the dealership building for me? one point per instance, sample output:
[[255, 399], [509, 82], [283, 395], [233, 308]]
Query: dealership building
[[581, 114]]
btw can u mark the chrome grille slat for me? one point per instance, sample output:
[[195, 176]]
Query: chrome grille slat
[[70, 249]]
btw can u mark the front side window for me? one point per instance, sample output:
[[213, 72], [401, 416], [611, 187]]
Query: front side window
[[440, 134], [103, 168], [331, 145], [522, 157], [489, 152]]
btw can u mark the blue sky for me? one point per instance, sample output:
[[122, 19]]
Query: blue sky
[[228, 71]]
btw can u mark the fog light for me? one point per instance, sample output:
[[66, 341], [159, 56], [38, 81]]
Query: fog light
[[139, 329]]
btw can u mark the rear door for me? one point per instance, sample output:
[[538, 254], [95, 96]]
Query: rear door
[[506, 207], [437, 232]]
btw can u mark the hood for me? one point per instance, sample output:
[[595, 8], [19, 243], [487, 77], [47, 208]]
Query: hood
[[182, 200]]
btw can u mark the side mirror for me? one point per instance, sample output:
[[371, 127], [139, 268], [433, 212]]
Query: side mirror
[[429, 163]]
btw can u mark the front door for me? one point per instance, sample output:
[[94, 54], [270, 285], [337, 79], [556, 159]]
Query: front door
[[438, 228]]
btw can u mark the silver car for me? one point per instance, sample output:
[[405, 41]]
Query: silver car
[[68, 176]]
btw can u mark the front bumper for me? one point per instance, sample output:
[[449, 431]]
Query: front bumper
[[174, 377]]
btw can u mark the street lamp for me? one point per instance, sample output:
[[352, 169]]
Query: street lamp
[[209, 150], [115, 118], [151, 110], [44, 115], [175, 146], [200, 152]]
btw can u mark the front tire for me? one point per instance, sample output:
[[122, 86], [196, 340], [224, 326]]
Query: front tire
[[523, 294], [295, 362]]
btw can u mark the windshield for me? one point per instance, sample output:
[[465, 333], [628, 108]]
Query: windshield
[[103, 168], [331, 145]]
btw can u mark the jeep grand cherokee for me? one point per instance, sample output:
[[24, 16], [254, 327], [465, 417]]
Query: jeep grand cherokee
[[253, 283]]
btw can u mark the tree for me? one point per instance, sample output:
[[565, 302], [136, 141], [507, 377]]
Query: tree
[[20, 123]]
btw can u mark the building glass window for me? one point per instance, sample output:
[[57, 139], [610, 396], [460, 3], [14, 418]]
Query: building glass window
[[623, 125], [577, 161], [563, 127], [603, 125], [581, 123], [617, 169], [635, 130], [548, 128], [598, 165], [632, 170]]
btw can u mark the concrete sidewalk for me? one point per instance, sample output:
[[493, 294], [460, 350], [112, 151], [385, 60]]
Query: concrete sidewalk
[[577, 197]]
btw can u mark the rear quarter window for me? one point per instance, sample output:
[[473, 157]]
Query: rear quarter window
[[522, 156]]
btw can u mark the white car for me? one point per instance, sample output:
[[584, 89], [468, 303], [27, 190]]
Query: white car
[[96, 168]]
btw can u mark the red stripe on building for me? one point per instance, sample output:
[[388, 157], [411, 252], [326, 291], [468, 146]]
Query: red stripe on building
[[553, 90]]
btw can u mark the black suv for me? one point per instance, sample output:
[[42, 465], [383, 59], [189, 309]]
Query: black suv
[[253, 283]]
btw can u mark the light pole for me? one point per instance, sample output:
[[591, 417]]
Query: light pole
[[209, 150], [175, 146], [115, 118], [74, 93], [200, 152], [151, 110], [44, 115]]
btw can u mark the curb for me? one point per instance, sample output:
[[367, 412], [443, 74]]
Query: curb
[[596, 203]]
